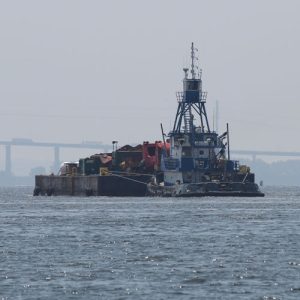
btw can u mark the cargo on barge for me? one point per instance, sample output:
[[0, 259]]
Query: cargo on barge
[[124, 172]]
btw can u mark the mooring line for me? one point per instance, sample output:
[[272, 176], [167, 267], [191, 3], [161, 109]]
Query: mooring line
[[141, 182]]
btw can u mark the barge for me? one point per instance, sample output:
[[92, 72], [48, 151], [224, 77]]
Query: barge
[[191, 160]]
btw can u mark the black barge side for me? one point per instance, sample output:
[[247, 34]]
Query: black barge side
[[92, 185]]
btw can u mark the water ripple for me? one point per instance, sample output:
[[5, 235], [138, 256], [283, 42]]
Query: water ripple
[[145, 248]]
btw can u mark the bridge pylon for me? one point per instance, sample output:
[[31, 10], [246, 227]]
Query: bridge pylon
[[8, 160]]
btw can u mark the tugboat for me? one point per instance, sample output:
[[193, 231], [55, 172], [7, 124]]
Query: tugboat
[[199, 161]]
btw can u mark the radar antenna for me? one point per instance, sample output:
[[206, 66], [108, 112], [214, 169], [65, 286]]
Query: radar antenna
[[193, 57]]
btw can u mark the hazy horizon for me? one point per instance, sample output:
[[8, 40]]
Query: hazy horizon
[[109, 70]]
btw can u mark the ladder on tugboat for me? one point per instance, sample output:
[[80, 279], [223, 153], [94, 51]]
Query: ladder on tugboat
[[187, 121]]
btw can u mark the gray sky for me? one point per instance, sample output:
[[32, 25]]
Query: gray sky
[[108, 70]]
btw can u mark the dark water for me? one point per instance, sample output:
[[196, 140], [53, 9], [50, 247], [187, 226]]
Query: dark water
[[149, 248]]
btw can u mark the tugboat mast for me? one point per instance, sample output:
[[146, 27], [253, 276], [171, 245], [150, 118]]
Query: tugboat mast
[[191, 102], [193, 58]]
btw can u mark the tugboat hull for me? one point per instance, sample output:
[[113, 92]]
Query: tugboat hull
[[224, 189]]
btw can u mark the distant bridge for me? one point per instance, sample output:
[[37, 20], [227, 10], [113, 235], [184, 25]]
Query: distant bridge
[[255, 153], [56, 147], [105, 148]]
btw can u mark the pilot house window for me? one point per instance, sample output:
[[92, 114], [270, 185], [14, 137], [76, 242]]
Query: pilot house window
[[193, 85]]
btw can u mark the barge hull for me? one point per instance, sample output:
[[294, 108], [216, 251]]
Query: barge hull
[[92, 185]]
